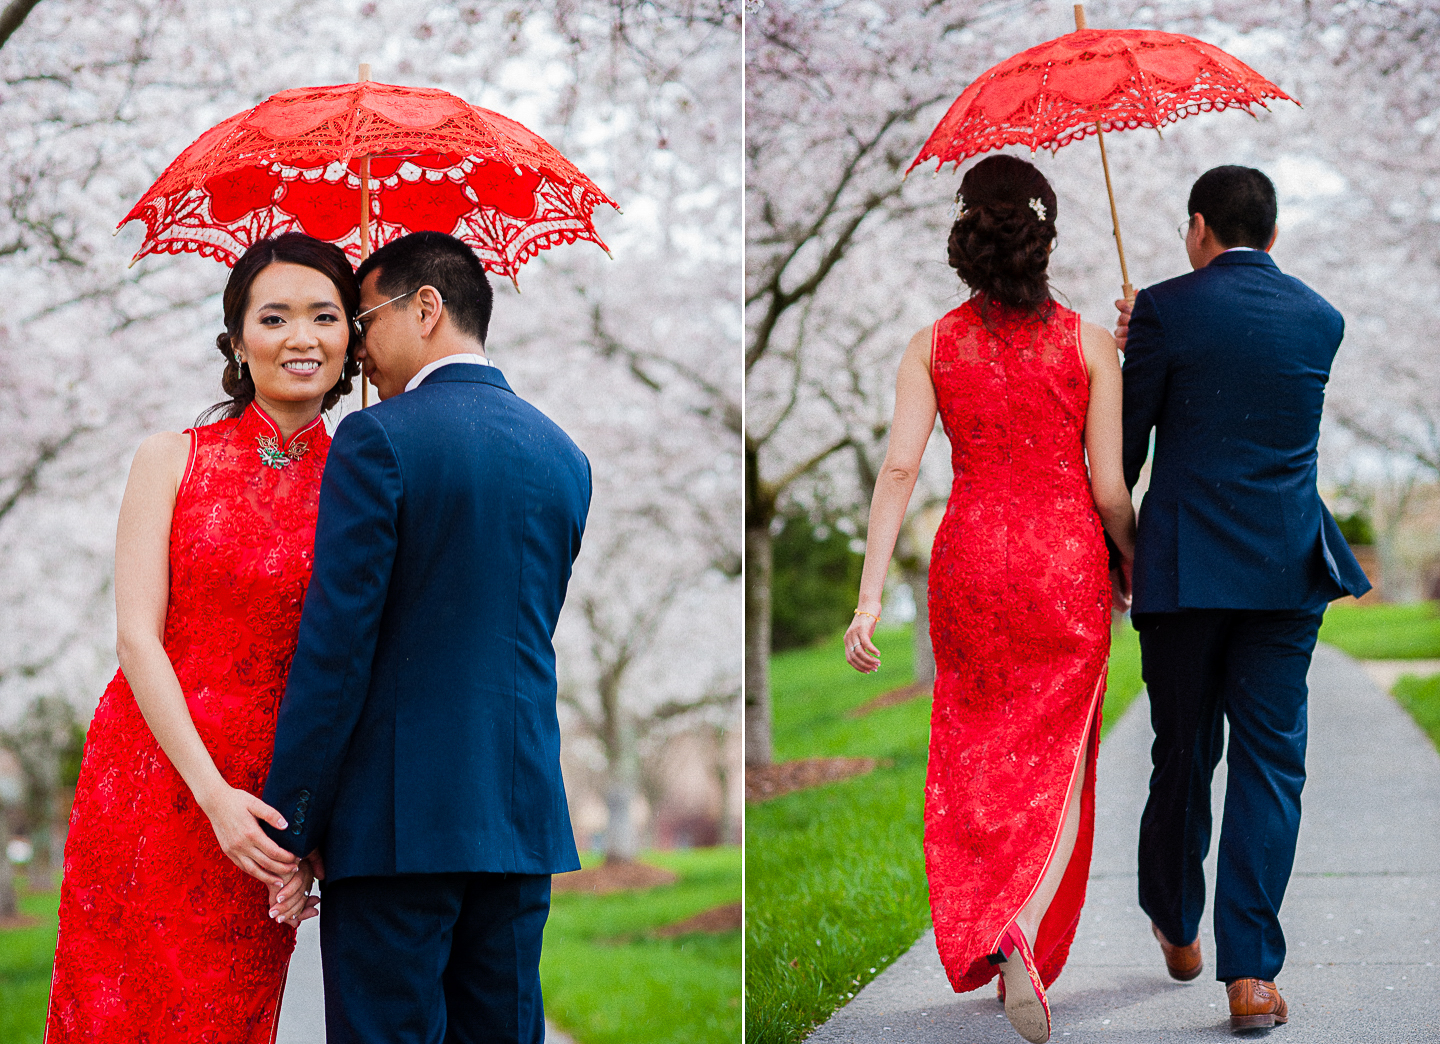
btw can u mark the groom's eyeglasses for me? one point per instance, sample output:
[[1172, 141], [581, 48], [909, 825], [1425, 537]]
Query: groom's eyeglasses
[[360, 327], [1183, 229]]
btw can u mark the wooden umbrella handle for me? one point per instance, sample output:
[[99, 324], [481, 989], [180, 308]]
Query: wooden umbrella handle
[[364, 229], [1128, 290]]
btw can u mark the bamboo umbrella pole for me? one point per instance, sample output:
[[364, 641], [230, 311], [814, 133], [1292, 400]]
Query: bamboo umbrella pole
[[365, 230], [1128, 290]]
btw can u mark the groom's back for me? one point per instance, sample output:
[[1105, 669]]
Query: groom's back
[[1229, 365], [1251, 355], [460, 720]]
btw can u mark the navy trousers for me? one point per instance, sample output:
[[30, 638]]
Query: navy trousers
[[434, 958], [1202, 667]]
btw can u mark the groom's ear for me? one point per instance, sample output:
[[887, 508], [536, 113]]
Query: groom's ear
[[430, 304]]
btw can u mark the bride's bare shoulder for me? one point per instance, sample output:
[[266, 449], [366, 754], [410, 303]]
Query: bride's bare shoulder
[[164, 453], [1097, 345]]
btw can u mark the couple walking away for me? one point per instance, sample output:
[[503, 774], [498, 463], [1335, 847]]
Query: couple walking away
[[414, 766], [1233, 563]]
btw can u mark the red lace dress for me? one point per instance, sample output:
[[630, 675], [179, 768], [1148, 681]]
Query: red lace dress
[[162, 938], [1020, 623]]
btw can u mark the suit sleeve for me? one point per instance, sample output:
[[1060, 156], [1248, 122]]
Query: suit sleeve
[[1144, 373], [355, 540]]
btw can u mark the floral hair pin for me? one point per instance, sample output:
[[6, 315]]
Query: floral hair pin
[[1038, 207]]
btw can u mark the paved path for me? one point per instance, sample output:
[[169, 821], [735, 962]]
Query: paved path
[[302, 1012], [1361, 916]]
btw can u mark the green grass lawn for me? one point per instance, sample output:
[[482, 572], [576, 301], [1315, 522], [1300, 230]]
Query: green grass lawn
[[1394, 632], [1384, 632], [835, 876], [26, 955], [1421, 697], [605, 982]]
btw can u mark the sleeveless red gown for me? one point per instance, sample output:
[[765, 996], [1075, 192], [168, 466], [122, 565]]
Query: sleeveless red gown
[[1020, 623], [162, 939]]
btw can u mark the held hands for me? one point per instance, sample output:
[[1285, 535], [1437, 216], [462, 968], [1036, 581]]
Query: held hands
[[1122, 325], [860, 651], [235, 816], [292, 903], [1120, 585]]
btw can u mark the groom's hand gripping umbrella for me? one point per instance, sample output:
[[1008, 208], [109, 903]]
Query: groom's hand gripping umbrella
[[1090, 81]]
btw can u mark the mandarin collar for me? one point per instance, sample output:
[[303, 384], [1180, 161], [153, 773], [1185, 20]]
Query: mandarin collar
[[256, 421]]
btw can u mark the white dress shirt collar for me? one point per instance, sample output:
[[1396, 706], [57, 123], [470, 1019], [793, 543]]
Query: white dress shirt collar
[[429, 368]]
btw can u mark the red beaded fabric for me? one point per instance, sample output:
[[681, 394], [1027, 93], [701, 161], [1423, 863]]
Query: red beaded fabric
[[293, 163], [1020, 623], [162, 939], [1053, 94]]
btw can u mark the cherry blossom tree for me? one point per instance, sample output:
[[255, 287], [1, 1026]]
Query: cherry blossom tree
[[637, 357], [845, 261]]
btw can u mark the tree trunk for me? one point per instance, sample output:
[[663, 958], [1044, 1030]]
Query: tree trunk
[[40, 872], [621, 843], [759, 560], [8, 905], [916, 574], [730, 832]]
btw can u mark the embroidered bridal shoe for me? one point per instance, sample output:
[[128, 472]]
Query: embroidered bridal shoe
[[1024, 994]]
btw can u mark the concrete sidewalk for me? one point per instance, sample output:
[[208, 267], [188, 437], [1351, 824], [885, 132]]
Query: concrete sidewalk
[[1361, 916]]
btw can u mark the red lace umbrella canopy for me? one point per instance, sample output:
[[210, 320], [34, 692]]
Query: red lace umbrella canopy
[[1056, 93], [295, 162]]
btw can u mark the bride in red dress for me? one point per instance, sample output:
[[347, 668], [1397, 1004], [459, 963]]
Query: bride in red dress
[[164, 933], [1020, 593]]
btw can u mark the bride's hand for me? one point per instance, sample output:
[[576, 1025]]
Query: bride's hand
[[292, 903], [235, 816], [860, 651], [1120, 586]]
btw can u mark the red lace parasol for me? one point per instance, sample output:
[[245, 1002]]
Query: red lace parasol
[[1090, 81], [369, 160]]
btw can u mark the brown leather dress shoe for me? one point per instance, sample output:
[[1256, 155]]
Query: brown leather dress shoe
[[1183, 962], [1255, 1004]]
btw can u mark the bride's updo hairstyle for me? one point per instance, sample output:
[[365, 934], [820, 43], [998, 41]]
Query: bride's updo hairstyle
[[293, 248], [1000, 242]]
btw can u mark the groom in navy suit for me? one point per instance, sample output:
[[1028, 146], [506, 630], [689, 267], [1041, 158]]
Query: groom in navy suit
[[418, 748], [1235, 561]]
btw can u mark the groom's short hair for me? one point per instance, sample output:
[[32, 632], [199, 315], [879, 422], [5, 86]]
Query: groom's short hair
[[1238, 204], [441, 261]]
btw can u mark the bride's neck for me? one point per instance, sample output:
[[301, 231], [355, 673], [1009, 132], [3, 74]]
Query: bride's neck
[[289, 417]]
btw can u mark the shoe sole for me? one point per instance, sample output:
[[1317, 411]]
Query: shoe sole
[[1185, 976], [1249, 1022], [1023, 1008]]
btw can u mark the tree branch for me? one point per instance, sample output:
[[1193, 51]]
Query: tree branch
[[29, 479], [675, 708]]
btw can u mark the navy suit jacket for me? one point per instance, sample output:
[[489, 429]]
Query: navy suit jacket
[[1228, 366], [418, 733]]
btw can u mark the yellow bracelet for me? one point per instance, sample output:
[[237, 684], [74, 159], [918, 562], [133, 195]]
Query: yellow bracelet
[[862, 612]]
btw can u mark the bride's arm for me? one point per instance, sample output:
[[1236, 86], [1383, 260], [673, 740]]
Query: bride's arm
[[142, 594], [910, 432], [1104, 439]]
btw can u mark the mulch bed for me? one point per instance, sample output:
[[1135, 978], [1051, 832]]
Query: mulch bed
[[613, 876], [18, 921], [715, 921], [764, 782], [893, 698]]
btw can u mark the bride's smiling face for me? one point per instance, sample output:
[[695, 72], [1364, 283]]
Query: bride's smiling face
[[295, 334]]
